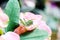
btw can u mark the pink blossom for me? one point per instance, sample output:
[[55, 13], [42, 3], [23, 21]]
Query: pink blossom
[[37, 21], [31, 16], [44, 26], [1, 38], [3, 18], [10, 36]]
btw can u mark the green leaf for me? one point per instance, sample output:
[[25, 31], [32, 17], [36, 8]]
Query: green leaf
[[12, 10], [35, 35]]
